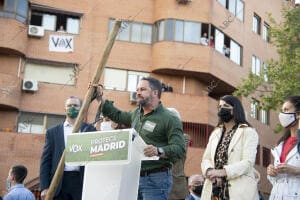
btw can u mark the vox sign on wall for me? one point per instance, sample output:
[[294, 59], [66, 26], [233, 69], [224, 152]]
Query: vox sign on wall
[[61, 43]]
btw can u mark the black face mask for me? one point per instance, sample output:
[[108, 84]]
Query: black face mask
[[225, 114], [197, 189]]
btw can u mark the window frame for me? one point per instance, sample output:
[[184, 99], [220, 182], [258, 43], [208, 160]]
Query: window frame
[[256, 24]]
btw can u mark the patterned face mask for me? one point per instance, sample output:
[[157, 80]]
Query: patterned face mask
[[287, 119], [72, 112]]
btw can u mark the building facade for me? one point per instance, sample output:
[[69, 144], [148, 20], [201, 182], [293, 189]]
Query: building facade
[[199, 49]]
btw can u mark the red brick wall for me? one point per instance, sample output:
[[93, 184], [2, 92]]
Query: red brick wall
[[23, 149]]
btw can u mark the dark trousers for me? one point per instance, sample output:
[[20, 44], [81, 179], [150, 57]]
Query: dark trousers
[[71, 187]]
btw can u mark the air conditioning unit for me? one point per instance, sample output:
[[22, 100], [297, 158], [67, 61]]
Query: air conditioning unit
[[36, 31], [132, 97], [30, 85], [183, 1]]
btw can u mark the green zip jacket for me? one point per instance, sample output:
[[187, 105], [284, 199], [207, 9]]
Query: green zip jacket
[[159, 128]]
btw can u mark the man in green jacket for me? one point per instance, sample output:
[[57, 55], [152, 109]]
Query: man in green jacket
[[162, 132]]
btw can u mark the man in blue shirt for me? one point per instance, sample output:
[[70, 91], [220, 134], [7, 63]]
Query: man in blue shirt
[[14, 183]]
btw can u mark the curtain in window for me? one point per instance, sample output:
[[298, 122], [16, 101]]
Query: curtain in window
[[219, 41], [257, 66], [124, 31], [49, 22], [136, 32], [146, 34], [255, 24], [50, 73], [179, 31], [235, 52], [161, 30], [72, 25], [240, 10], [192, 32], [115, 79], [253, 68], [232, 6]]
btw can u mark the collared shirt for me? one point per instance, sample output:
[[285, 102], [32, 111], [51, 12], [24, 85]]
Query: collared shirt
[[19, 192], [159, 128], [68, 128]]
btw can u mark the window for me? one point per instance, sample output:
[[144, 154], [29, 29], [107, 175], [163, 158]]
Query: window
[[265, 35], [256, 24], [62, 73], [255, 65], [219, 40], [118, 79], [115, 79], [240, 10], [236, 7], [228, 47], [266, 156], [133, 79], [265, 72], [133, 31], [179, 30], [37, 122], [235, 52], [17, 9], [192, 32], [254, 109], [264, 116], [55, 21]]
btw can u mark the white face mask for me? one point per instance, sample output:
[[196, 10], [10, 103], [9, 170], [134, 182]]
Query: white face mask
[[287, 119], [106, 126]]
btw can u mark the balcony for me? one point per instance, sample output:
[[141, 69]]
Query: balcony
[[10, 91], [13, 37], [202, 62]]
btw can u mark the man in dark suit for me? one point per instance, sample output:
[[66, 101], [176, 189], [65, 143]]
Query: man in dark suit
[[195, 186], [70, 185]]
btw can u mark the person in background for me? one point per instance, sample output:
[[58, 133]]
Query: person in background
[[15, 186], [71, 183], [108, 125], [195, 187], [204, 40], [284, 174], [211, 42], [179, 188], [229, 157]]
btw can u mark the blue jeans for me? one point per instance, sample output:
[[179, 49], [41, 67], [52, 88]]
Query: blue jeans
[[155, 186]]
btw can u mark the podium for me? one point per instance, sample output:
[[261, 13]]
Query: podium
[[112, 161]]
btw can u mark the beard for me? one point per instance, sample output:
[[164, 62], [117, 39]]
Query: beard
[[146, 101]]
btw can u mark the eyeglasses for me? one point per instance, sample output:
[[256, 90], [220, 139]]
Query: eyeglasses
[[72, 105]]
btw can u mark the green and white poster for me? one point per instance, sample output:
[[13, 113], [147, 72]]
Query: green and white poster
[[109, 146]]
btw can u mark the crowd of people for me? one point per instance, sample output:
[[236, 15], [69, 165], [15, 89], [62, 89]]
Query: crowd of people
[[227, 167]]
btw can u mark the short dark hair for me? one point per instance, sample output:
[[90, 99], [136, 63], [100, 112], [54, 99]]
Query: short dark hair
[[74, 97], [19, 172], [295, 100], [239, 116], [154, 84]]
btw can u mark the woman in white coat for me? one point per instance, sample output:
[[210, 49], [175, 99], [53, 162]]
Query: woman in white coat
[[228, 160], [284, 174]]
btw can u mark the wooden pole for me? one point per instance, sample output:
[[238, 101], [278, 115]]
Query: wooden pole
[[85, 106]]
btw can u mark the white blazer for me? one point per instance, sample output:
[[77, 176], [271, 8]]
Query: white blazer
[[285, 186], [240, 168]]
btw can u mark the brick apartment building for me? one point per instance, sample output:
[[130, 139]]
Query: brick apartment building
[[49, 50]]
